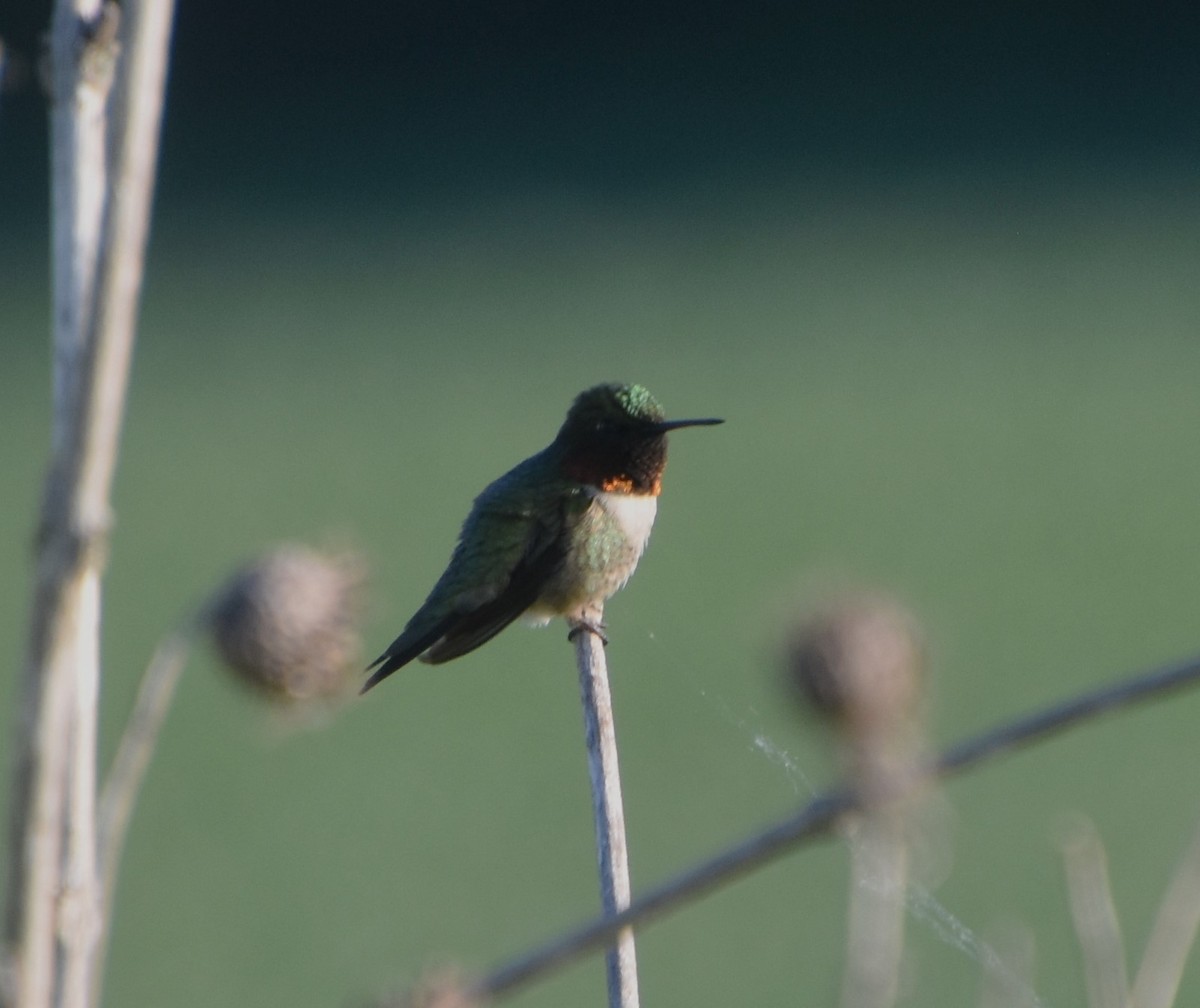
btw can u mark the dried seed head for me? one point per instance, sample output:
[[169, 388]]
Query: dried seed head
[[858, 664], [443, 988], [287, 623]]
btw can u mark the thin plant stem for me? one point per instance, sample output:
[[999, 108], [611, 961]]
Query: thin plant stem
[[52, 902], [875, 915], [1174, 932], [608, 810], [128, 770], [99, 221], [1094, 914], [820, 816], [136, 747]]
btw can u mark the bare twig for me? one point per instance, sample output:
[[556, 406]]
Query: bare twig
[[875, 915], [611, 849], [1094, 914], [124, 780], [819, 816], [52, 898], [857, 664], [53, 911], [1173, 934]]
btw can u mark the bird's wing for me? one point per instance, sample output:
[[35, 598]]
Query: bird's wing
[[520, 544], [542, 555]]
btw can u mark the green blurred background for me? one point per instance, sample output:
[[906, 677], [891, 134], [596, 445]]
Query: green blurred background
[[938, 269]]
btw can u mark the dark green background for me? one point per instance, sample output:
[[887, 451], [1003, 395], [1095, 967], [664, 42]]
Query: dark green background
[[937, 267]]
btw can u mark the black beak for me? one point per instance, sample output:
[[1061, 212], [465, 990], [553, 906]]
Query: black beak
[[669, 425]]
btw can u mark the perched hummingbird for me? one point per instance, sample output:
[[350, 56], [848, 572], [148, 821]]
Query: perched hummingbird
[[554, 536]]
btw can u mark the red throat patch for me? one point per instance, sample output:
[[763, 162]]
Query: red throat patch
[[624, 485]]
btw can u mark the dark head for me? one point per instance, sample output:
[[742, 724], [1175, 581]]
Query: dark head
[[615, 438]]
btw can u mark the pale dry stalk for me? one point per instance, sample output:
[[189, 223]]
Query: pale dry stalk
[[1173, 935], [1094, 914], [54, 910], [822, 815], [608, 809]]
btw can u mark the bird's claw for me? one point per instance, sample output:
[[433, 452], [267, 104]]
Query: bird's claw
[[593, 627]]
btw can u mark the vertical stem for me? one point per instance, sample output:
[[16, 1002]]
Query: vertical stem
[[138, 119], [79, 177], [875, 922], [80, 928], [51, 907], [53, 903], [1174, 932], [1094, 915], [884, 764], [1173, 936], [608, 809]]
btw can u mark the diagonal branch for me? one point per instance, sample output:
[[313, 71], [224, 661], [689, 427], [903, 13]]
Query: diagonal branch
[[819, 817]]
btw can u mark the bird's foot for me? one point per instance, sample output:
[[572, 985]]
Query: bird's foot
[[579, 626]]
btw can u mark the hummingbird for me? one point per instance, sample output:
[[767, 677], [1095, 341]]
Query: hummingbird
[[556, 535]]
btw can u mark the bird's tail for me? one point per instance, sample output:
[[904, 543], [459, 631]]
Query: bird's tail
[[402, 650]]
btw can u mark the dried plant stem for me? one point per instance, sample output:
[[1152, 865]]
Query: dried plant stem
[[124, 780], [612, 852], [53, 899], [875, 917], [819, 816], [1095, 915], [1174, 933]]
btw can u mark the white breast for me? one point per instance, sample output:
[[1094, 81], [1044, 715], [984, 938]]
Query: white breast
[[634, 512]]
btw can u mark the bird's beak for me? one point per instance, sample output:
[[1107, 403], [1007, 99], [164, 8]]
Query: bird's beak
[[669, 425]]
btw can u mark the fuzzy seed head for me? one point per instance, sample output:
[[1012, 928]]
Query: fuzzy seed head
[[441, 988], [287, 623], [858, 664]]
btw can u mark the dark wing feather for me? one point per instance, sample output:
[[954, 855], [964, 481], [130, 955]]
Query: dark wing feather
[[403, 650], [480, 625], [459, 630]]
